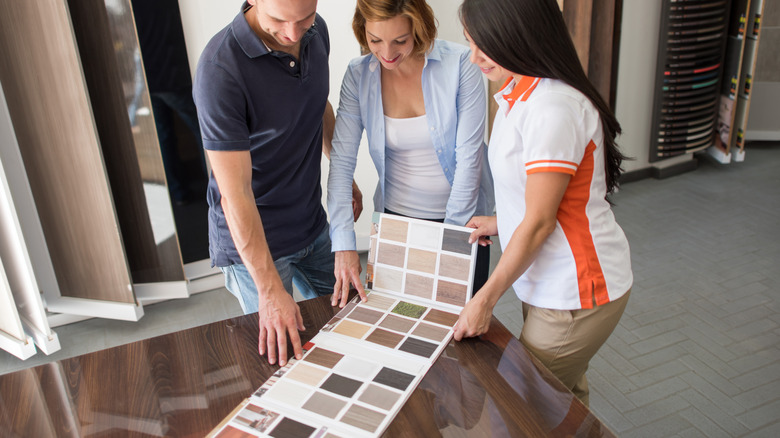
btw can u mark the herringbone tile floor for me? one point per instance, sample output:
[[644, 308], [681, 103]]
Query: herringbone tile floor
[[696, 354]]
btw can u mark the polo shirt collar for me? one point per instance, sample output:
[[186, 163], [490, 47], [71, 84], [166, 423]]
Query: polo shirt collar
[[521, 91], [250, 43]]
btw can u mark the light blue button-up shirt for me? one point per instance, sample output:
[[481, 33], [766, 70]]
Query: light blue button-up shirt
[[455, 106]]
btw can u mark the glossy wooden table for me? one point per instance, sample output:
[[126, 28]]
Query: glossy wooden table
[[185, 383]]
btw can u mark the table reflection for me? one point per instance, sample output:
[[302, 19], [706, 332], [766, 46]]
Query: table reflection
[[186, 383]]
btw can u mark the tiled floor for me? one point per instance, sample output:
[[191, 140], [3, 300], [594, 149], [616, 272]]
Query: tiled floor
[[697, 351]]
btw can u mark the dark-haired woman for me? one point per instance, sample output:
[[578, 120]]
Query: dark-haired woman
[[422, 106], [554, 161]]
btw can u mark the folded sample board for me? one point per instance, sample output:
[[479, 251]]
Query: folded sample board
[[361, 367]]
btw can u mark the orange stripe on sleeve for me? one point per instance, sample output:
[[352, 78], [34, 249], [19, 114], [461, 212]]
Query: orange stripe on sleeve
[[554, 169], [538, 166]]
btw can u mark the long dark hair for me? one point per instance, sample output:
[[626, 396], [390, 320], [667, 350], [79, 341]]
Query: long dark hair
[[529, 37]]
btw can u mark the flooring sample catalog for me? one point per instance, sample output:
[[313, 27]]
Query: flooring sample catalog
[[361, 367]]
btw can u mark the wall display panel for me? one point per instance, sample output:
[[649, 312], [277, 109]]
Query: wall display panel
[[688, 73], [52, 118], [741, 51]]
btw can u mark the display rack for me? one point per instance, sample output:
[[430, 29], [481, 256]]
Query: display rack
[[741, 51], [87, 228], [688, 75]]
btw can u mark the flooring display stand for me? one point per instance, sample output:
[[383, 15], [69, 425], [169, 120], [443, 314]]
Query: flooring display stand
[[361, 367], [688, 76], [741, 51], [90, 229]]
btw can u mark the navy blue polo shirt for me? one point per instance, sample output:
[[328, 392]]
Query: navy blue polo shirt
[[270, 104]]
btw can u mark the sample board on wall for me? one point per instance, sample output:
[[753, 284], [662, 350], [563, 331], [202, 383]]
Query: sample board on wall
[[688, 75], [741, 51], [363, 365]]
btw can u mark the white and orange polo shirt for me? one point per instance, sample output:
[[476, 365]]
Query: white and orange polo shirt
[[545, 125]]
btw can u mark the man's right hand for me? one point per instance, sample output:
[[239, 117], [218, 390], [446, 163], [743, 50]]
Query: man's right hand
[[347, 271], [279, 317]]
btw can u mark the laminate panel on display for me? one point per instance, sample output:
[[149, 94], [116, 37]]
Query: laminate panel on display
[[186, 383], [13, 246], [110, 58], [19, 273], [48, 102], [12, 336], [578, 16], [604, 46]]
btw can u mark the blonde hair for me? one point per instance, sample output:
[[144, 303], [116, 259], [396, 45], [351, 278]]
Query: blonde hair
[[418, 11]]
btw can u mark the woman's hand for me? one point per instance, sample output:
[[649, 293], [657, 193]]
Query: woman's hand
[[486, 226], [347, 272], [475, 318]]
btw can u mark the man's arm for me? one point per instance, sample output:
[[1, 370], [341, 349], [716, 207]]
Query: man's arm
[[278, 313]]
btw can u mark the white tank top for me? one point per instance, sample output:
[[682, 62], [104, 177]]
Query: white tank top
[[415, 184]]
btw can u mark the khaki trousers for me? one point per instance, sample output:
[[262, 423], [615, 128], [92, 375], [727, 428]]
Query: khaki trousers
[[565, 340]]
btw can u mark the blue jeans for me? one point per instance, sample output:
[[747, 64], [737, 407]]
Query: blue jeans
[[310, 269]]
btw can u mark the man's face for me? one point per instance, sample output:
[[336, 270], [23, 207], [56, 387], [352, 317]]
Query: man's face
[[285, 20]]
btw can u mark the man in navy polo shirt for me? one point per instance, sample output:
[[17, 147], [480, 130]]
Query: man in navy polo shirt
[[261, 89]]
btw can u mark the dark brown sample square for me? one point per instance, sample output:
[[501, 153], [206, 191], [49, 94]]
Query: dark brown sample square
[[394, 378], [456, 241], [343, 386], [289, 428], [418, 347]]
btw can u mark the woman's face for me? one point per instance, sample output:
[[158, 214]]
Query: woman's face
[[391, 41], [489, 68]]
